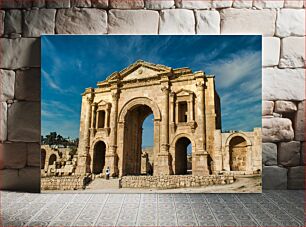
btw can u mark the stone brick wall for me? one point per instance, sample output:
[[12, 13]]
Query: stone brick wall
[[281, 22], [61, 183], [174, 181]]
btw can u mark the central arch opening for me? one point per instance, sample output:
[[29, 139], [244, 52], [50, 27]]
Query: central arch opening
[[99, 157], [183, 156], [238, 152], [136, 141]]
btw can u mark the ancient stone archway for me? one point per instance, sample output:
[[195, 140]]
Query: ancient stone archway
[[181, 158], [132, 148], [98, 157], [238, 154], [184, 104], [138, 102], [52, 159], [231, 143], [43, 158]]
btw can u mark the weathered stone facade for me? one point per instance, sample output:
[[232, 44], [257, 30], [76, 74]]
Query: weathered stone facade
[[186, 109], [57, 161], [62, 183], [174, 181]]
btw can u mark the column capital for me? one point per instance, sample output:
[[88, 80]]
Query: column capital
[[165, 90], [200, 85], [115, 95], [165, 147], [89, 100]]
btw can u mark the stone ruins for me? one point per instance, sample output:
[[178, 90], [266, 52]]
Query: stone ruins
[[186, 109]]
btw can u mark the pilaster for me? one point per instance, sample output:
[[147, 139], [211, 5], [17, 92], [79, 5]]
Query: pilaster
[[164, 156]]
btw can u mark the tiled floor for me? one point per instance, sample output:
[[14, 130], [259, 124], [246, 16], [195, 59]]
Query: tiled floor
[[271, 208]]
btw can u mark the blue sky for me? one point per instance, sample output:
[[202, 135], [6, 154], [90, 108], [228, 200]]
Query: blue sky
[[72, 63]]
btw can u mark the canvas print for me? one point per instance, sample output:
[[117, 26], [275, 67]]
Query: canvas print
[[151, 113]]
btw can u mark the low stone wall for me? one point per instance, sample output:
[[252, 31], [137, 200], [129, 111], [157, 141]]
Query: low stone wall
[[61, 183], [173, 181]]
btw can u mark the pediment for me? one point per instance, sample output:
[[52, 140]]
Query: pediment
[[102, 103], [139, 70], [183, 92]]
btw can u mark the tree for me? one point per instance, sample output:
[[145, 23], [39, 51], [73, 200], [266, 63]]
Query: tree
[[56, 139]]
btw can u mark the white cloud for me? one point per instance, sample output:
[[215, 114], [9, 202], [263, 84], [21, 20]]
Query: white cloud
[[50, 81], [235, 68]]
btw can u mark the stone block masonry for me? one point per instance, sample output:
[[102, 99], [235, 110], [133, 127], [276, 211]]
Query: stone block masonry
[[62, 183], [174, 181], [282, 23]]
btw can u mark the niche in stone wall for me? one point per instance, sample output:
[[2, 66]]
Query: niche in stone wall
[[184, 106], [100, 118]]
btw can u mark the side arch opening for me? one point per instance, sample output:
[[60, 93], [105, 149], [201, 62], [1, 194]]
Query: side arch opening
[[99, 157], [183, 156], [237, 153]]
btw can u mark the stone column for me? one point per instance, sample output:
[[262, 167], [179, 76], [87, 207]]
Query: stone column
[[163, 156], [111, 154], [172, 119], [83, 148], [189, 111], [93, 120], [87, 122], [106, 117], [191, 108], [177, 113], [165, 120], [200, 160]]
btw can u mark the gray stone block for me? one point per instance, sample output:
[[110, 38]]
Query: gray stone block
[[248, 21], [2, 15], [7, 84], [289, 153], [39, 4], [277, 129], [100, 4], [81, 21], [38, 22], [126, 4], [159, 4], [13, 155], [267, 107], [296, 178], [275, 80], [80, 3], [27, 85], [303, 160], [33, 158], [56, 4], [269, 154], [3, 121], [299, 122], [133, 22], [285, 107], [274, 177], [25, 180], [178, 21], [15, 4], [20, 53], [24, 122], [13, 21]]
